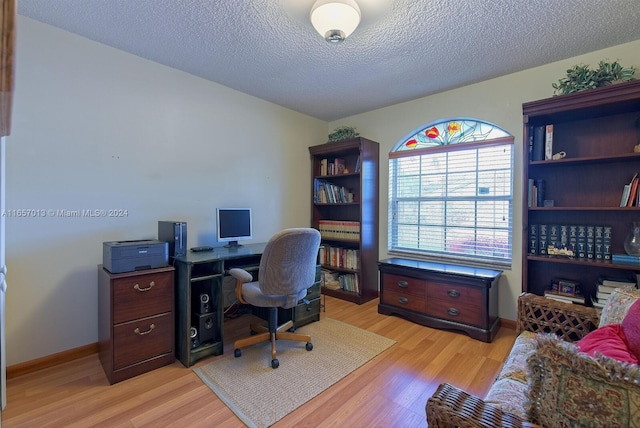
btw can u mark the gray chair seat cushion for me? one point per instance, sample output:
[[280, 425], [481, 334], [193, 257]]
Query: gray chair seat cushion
[[253, 295]]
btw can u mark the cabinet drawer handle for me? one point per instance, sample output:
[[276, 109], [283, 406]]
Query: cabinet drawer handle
[[403, 284], [453, 312], [142, 333], [403, 300], [151, 285], [453, 293]]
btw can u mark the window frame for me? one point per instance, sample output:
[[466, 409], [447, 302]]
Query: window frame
[[473, 145]]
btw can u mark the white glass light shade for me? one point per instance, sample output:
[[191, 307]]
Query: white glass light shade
[[335, 20]]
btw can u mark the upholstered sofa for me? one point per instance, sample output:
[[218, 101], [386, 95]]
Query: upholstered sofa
[[556, 374]]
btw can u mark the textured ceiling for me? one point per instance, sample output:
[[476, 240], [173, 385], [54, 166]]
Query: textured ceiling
[[403, 49]]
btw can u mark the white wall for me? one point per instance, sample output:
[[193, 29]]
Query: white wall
[[97, 128], [499, 101]]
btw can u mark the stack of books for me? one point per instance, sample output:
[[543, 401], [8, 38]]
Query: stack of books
[[606, 285], [576, 298]]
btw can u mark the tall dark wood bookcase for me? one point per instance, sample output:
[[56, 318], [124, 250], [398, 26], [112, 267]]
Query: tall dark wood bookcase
[[360, 179], [598, 130]]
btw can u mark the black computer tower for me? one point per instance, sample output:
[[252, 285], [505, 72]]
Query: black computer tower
[[175, 233]]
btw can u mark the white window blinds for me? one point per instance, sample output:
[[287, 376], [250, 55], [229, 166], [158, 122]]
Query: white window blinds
[[453, 202]]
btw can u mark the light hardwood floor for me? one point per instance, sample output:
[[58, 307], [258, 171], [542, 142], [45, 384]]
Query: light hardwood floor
[[389, 391]]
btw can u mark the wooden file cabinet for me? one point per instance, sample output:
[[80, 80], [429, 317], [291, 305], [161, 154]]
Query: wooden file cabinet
[[441, 296], [135, 321]]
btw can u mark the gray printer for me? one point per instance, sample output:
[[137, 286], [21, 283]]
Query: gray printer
[[129, 256]]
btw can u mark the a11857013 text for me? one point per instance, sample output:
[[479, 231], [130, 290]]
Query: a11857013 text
[[64, 213]]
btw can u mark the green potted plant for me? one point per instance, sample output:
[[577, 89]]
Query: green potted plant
[[342, 133], [581, 77]]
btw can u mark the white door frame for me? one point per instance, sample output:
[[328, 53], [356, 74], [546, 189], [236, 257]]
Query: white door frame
[[3, 283]]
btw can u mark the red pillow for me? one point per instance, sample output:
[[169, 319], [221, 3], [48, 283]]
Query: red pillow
[[610, 341], [631, 328]]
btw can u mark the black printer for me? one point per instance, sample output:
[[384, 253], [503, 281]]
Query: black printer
[[129, 256]]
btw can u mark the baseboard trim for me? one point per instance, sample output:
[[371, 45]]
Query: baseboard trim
[[508, 324], [83, 351], [51, 360]]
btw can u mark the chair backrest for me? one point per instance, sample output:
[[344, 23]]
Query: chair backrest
[[288, 262]]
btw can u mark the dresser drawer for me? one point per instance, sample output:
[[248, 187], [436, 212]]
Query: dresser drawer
[[455, 311], [403, 284], [404, 300], [455, 293], [142, 339], [141, 296]]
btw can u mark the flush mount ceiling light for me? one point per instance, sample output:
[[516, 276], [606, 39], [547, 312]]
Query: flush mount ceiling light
[[335, 20]]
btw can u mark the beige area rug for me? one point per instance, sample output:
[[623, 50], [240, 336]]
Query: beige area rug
[[260, 396]]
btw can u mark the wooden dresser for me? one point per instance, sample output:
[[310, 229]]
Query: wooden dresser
[[441, 295], [135, 321]]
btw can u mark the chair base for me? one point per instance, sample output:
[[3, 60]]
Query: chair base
[[264, 335]]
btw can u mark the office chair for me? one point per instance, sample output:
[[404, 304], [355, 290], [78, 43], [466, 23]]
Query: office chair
[[287, 269]]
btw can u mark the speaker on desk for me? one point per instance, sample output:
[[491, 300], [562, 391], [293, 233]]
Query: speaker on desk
[[193, 335], [207, 326], [175, 233], [201, 302]]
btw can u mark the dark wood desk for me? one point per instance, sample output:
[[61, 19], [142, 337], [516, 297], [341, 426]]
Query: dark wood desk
[[201, 274]]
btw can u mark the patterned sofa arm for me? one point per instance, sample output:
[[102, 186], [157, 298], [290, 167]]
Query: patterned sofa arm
[[452, 407], [569, 321]]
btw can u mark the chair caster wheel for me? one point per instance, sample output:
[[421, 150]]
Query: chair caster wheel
[[309, 346], [275, 363], [237, 353]]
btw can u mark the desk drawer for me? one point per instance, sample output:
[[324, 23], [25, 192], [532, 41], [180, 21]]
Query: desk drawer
[[141, 296], [313, 292], [305, 313], [403, 284], [142, 339]]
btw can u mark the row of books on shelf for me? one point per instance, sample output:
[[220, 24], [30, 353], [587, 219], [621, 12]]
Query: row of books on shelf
[[339, 230], [337, 166], [341, 281], [329, 193], [591, 242], [346, 258], [540, 142], [630, 193], [569, 291]]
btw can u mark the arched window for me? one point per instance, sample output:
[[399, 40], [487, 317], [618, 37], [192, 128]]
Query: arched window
[[451, 193]]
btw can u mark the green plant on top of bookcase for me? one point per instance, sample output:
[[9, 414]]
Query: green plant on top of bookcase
[[342, 133], [581, 77]]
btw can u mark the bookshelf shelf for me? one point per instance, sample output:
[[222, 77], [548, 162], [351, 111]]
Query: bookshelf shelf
[[337, 203], [584, 208], [590, 263], [597, 129], [339, 269], [625, 157], [358, 160]]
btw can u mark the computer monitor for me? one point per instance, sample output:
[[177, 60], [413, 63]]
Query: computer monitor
[[234, 224]]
